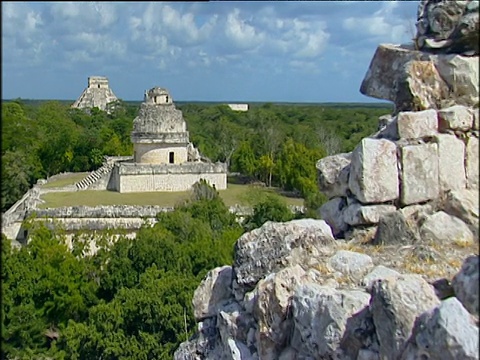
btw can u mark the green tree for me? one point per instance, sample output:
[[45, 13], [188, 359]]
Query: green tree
[[270, 209]]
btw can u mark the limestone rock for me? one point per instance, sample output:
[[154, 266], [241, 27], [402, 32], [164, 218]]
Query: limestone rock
[[451, 169], [358, 214], [374, 159], [472, 160], [396, 302], [461, 76], [351, 263], [288, 354], [205, 344], [386, 77], [272, 310], [212, 293], [236, 350], [476, 119], [418, 211], [320, 315], [333, 174], [417, 124], [466, 284], [332, 213], [395, 228], [419, 173], [446, 229], [233, 326], [449, 26], [275, 246], [234, 322], [415, 80], [360, 339], [456, 117], [464, 204], [379, 272], [445, 332]]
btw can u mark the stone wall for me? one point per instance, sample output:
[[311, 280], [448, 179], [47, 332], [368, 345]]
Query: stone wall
[[427, 148], [168, 177], [238, 107], [160, 153]]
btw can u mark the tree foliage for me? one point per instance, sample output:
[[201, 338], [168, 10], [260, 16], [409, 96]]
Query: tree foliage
[[130, 300]]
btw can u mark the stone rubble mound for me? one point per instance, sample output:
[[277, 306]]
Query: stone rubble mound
[[295, 293], [391, 270]]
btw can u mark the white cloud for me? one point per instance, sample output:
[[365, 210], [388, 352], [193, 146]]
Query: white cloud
[[241, 33], [385, 24]]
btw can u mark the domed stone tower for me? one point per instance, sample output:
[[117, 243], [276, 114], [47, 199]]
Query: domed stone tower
[[164, 159], [159, 133]]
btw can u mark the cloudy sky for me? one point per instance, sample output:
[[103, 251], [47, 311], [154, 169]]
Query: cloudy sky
[[293, 51]]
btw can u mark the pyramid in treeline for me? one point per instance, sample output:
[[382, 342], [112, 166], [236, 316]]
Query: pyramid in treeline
[[97, 94]]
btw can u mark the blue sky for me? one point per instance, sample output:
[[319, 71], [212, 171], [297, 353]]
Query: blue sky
[[278, 51]]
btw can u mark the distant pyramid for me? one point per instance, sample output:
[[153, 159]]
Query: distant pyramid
[[97, 94]]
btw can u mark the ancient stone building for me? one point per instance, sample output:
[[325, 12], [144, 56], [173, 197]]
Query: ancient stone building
[[164, 159], [97, 94], [159, 131]]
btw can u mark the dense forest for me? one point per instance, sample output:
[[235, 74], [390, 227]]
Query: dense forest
[[277, 144], [132, 299]]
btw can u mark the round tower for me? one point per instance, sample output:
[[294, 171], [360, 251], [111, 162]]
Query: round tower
[[159, 133]]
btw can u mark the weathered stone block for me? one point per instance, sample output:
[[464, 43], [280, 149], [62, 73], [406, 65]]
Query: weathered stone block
[[332, 213], [447, 229], [358, 214], [417, 80], [396, 228], [455, 117], [476, 119], [213, 292], [417, 124], [419, 173], [471, 161], [351, 263], [271, 310], [461, 75], [320, 315], [464, 204], [396, 302], [466, 284], [445, 332], [333, 174], [379, 272], [374, 159], [451, 158], [275, 246], [407, 77]]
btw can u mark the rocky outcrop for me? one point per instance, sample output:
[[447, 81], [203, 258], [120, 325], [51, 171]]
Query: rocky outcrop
[[380, 277], [340, 304]]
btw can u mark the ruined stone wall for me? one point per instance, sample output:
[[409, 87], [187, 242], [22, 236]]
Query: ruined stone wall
[[160, 153], [168, 177], [169, 182], [238, 107]]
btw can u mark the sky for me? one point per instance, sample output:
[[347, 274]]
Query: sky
[[265, 51]]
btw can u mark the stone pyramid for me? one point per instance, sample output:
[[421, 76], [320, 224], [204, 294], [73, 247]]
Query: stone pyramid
[[97, 94]]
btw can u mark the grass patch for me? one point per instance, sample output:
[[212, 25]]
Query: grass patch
[[235, 194], [65, 180]]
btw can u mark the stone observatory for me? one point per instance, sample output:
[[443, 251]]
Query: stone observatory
[[164, 159], [159, 131], [97, 94]]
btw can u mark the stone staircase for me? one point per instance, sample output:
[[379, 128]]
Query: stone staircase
[[94, 176]]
